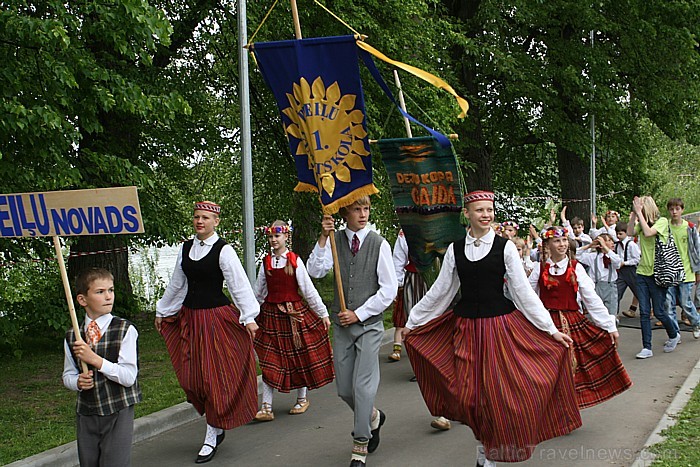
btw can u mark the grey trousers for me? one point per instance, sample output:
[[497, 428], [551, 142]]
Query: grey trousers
[[356, 359], [607, 291], [626, 277], [105, 441]]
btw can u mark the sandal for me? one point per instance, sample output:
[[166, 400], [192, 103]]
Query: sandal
[[300, 407], [265, 413]]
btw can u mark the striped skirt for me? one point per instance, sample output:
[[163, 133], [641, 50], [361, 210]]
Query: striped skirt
[[294, 350], [509, 381], [212, 354], [599, 374], [414, 288]]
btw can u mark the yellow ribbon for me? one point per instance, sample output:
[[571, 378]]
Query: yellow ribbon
[[424, 75]]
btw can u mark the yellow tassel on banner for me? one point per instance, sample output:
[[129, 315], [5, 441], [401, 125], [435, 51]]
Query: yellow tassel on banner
[[424, 75]]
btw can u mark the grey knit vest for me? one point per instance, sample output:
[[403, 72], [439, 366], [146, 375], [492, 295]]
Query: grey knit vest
[[358, 273]]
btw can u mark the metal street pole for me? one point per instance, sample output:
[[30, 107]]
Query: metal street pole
[[592, 175], [246, 149]]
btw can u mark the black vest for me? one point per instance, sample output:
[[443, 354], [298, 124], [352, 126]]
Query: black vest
[[482, 282], [205, 281], [107, 397]]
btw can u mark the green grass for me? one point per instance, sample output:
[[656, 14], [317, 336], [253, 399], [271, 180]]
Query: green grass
[[681, 446], [38, 412]]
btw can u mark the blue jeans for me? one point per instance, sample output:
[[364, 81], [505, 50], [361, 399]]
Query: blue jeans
[[682, 292], [650, 293]]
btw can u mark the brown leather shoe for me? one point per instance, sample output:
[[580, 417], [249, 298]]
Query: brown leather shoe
[[300, 407], [441, 423]]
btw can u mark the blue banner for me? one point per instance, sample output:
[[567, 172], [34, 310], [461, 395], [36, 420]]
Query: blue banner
[[316, 83]]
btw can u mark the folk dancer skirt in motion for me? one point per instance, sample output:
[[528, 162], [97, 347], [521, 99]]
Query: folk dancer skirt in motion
[[598, 371], [413, 290], [509, 381], [293, 347], [212, 354]]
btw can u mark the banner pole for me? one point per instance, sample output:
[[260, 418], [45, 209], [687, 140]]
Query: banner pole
[[331, 236], [69, 296], [402, 102], [295, 17]]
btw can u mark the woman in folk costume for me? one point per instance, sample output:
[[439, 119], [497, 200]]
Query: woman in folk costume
[[210, 340], [292, 342], [499, 366], [598, 371]]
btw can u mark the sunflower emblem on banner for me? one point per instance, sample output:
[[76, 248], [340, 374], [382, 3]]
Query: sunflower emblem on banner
[[330, 131], [317, 87]]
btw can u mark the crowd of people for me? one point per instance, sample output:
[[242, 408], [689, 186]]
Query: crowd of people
[[515, 336]]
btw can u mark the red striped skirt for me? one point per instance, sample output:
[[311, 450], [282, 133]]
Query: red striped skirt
[[509, 381], [212, 355], [599, 373], [287, 364], [398, 316]]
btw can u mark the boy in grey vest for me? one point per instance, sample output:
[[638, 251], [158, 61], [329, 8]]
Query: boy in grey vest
[[108, 392], [369, 286]]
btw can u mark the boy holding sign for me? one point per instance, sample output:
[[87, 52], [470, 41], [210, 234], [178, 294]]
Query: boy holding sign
[[108, 392]]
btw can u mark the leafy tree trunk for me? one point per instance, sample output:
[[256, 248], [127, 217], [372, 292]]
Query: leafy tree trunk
[[574, 180]]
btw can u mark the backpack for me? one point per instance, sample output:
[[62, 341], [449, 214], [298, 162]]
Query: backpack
[[668, 267]]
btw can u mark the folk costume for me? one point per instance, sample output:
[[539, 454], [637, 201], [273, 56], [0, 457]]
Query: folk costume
[[369, 285], [292, 344], [598, 371], [105, 414], [205, 334], [486, 363], [412, 288]]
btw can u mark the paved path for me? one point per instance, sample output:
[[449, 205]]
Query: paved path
[[612, 434]]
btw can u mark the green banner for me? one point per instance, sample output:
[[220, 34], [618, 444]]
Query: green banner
[[425, 184]]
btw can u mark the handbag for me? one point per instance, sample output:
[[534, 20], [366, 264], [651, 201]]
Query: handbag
[[668, 267]]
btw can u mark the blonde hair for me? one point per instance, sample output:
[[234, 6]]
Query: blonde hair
[[649, 210], [520, 243], [362, 201], [288, 268]]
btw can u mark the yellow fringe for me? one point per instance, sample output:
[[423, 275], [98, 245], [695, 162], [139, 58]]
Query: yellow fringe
[[350, 198], [424, 75]]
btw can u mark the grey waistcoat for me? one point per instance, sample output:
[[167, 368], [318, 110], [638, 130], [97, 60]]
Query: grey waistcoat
[[358, 274]]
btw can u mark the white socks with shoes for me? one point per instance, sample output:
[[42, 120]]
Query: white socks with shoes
[[210, 438]]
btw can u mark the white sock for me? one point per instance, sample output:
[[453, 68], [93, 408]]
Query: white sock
[[480, 454], [489, 463], [267, 394], [301, 392], [209, 438], [374, 424]]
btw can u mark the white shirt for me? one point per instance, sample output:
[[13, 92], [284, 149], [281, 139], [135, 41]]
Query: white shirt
[[443, 291], [594, 260], [321, 262], [308, 291], [586, 290], [634, 253], [123, 371], [234, 275], [610, 230], [400, 257], [582, 239]]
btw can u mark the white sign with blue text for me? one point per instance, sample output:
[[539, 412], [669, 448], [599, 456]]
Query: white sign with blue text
[[99, 211]]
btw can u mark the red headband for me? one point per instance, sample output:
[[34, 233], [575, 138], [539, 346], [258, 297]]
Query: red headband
[[478, 195], [207, 206], [284, 229]]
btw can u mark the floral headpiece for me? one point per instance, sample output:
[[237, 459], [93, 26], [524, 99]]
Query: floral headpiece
[[612, 212], [275, 229], [207, 206], [510, 224], [554, 232], [478, 195]]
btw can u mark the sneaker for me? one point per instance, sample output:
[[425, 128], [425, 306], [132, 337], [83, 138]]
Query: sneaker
[[631, 313], [671, 344], [645, 353], [696, 332]]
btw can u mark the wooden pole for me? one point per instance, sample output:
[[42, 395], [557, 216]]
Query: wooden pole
[[69, 296], [331, 236], [402, 102], [295, 16]]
